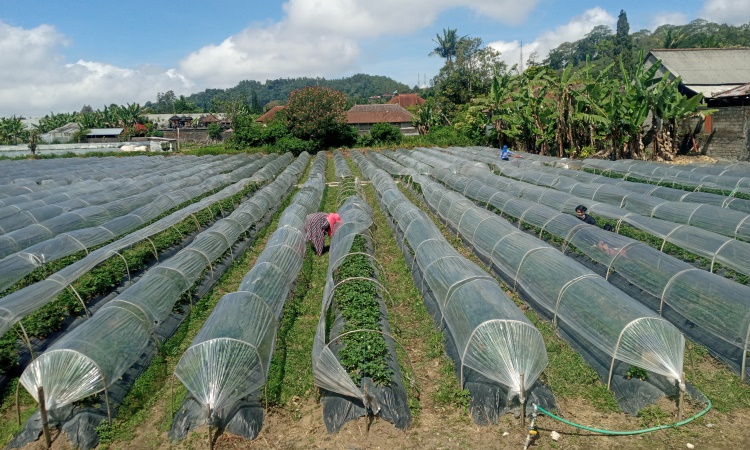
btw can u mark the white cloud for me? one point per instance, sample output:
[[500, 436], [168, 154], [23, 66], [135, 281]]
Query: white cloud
[[734, 12], [572, 31], [35, 80], [313, 38], [320, 38], [668, 18]]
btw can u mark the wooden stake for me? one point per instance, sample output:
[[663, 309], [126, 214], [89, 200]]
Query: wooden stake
[[681, 398], [210, 438], [522, 397], [43, 414]]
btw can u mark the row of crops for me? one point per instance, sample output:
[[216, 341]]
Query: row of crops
[[623, 304]]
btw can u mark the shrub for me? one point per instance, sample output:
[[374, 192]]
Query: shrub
[[295, 145], [365, 140], [386, 134]]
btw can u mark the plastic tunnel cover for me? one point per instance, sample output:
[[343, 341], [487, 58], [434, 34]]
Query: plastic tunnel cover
[[68, 375]]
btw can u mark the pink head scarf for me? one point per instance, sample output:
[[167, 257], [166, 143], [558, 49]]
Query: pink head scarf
[[333, 219]]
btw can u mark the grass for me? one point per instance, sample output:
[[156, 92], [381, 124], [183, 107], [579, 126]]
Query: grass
[[412, 325], [290, 375]]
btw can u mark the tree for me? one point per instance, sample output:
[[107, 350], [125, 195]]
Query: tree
[[33, 140], [316, 114], [254, 103], [446, 44], [182, 105], [623, 43], [386, 134], [214, 131], [165, 102]]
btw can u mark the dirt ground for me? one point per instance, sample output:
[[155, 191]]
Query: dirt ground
[[299, 425]]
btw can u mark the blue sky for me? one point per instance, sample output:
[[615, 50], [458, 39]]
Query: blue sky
[[57, 55]]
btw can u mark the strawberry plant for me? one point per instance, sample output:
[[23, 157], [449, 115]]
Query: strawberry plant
[[363, 354]]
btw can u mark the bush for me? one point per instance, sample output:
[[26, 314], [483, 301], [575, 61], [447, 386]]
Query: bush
[[365, 140], [295, 145], [386, 134], [214, 131]]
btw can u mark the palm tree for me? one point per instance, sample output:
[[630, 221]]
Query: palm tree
[[446, 44]]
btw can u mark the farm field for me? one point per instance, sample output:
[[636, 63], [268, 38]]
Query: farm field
[[394, 205]]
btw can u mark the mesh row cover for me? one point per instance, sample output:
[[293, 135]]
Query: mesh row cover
[[92, 356], [81, 195], [570, 293], [716, 247], [22, 302], [356, 217], [31, 176], [170, 192], [491, 333], [728, 222], [714, 310], [16, 266], [230, 356], [664, 192], [666, 173], [340, 166]]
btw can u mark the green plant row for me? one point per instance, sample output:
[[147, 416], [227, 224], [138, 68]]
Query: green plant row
[[363, 354], [103, 278]]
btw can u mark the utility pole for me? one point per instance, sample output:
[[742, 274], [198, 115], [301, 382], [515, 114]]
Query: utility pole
[[521, 62]]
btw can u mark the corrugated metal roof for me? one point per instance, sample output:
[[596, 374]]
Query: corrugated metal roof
[[378, 114], [705, 66], [105, 132], [738, 91], [710, 91]]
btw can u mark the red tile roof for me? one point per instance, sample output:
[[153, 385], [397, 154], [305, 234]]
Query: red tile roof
[[378, 114], [407, 100], [267, 117]]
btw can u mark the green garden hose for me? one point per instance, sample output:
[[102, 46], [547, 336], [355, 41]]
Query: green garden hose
[[624, 433]]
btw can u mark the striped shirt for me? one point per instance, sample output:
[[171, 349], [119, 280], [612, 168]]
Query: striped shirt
[[316, 228]]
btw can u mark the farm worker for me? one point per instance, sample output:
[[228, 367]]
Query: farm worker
[[581, 212], [317, 225], [506, 153]]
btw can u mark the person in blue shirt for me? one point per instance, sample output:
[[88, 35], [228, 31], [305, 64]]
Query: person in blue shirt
[[506, 153]]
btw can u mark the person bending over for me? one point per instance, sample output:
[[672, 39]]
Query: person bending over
[[317, 225]]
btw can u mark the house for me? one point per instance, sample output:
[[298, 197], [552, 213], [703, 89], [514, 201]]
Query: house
[[407, 100], [269, 115], [204, 121], [104, 134], [180, 121], [365, 116], [722, 75]]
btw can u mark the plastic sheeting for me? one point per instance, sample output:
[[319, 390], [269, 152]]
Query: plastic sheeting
[[26, 176], [96, 353], [707, 307], [663, 174], [81, 195], [18, 304], [170, 192], [340, 166], [230, 356], [715, 247], [492, 336]]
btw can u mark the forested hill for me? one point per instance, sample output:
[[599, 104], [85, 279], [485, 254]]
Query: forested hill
[[602, 45], [359, 86]]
